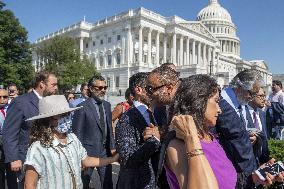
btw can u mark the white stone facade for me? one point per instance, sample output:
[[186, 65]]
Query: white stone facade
[[140, 40]]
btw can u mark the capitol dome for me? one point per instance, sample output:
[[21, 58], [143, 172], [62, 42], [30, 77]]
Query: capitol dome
[[214, 11]]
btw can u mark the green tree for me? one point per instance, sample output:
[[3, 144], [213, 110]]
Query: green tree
[[15, 55], [61, 56]]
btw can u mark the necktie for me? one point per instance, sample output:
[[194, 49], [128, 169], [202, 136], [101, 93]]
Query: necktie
[[151, 117], [3, 112], [256, 123], [102, 122]]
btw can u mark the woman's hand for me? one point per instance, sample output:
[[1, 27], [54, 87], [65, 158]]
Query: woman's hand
[[115, 157], [184, 126]]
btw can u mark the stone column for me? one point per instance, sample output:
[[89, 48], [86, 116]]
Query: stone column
[[123, 50], [81, 45], [140, 52], [187, 51], [199, 53], [128, 49], [174, 48], [165, 48], [158, 48], [193, 53], [213, 59], [149, 54], [208, 55], [181, 51], [204, 54]]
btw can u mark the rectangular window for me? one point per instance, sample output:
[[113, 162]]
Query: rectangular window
[[94, 43], [102, 41], [109, 39], [118, 58], [109, 59], [108, 81], [117, 81], [87, 45], [101, 61], [118, 37]]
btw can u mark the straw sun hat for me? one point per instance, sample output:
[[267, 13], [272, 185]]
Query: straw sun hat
[[51, 106]]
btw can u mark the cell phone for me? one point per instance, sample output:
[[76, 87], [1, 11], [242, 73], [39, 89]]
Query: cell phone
[[273, 169]]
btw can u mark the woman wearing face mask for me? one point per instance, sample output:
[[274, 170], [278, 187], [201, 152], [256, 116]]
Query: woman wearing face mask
[[56, 156]]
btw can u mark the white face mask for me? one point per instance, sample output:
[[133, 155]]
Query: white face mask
[[64, 124]]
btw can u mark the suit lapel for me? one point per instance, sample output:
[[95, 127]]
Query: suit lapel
[[93, 110], [249, 119]]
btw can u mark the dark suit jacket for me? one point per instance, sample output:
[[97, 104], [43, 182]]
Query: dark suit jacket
[[16, 130], [86, 126], [235, 139], [263, 157], [136, 167]]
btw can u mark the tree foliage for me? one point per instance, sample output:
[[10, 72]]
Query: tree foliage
[[61, 56], [15, 55]]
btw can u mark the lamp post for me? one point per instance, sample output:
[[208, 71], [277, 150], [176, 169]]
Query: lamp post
[[210, 67]]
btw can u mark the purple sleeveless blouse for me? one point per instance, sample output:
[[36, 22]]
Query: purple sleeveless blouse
[[222, 167]]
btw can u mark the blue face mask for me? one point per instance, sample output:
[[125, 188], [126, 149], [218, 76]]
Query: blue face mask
[[64, 124]]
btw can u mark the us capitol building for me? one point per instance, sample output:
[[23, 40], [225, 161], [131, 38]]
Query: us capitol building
[[140, 40]]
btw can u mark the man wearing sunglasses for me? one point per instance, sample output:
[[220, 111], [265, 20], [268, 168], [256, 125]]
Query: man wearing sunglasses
[[13, 91], [93, 126], [162, 84]]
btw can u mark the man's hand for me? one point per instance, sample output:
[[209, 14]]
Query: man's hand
[[113, 152], [151, 131], [16, 165]]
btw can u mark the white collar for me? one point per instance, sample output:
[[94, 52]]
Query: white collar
[[36, 93], [140, 106]]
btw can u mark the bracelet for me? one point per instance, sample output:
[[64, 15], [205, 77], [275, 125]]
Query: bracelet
[[195, 152]]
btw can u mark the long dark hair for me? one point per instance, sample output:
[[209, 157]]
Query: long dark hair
[[191, 99], [42, 131]]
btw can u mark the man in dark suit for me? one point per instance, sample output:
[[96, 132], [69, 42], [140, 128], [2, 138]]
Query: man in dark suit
[[93, 126], [256, 119], [16, 130], [137, 140], [231, 126]]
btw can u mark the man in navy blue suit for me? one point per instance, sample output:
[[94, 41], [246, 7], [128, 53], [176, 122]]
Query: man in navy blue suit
[[256, 119], [93, 126], [16, 130], [231, 125]]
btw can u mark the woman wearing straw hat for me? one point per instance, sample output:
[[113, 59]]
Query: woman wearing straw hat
[[55, 156]]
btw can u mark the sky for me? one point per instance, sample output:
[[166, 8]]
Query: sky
[[260, 23]]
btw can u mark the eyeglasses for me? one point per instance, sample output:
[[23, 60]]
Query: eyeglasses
[[4, 97], [150, 90], [101, 87]]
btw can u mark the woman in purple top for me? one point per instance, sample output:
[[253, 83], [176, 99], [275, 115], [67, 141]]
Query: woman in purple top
[[194, 158]]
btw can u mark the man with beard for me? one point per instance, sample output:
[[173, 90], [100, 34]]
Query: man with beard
[[162, 84], [16, 130], [231, 125], [137, 140], [93, 126]]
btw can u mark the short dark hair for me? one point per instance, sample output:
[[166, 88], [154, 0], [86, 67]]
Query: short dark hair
[[277, 82], [83, 85], [94, 78], [12, 85], [166, 74], [191, 99], [127, 93], [41, 76], [137, 80], [167, 64]]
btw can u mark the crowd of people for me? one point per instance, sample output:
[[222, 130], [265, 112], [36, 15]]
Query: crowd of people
[[170, 133]]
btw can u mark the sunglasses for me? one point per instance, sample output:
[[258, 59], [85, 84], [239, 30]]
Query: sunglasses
[[12, 91], [101, 87], [150, 90], [4, 97]]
